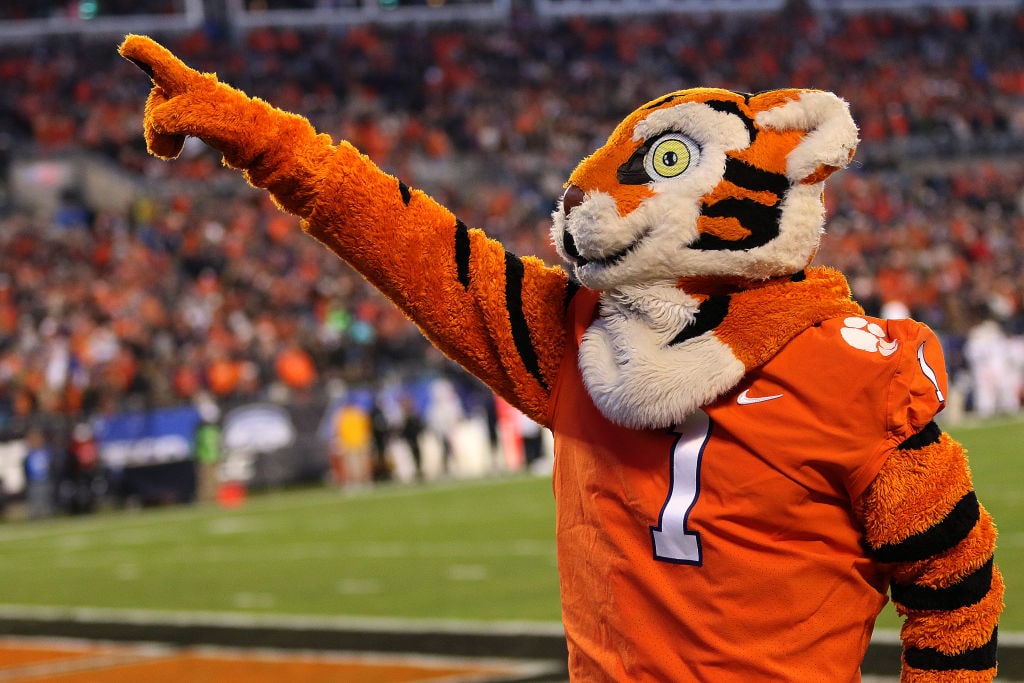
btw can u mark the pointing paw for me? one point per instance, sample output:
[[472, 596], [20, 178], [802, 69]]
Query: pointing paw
[[866, 336]]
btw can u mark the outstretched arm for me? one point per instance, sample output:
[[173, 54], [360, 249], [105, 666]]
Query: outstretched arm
[[498, 315]]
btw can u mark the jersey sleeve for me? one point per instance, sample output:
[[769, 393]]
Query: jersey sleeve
[[922, 518]]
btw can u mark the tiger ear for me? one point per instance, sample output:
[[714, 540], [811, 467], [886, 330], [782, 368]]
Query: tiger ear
[[831, 135]]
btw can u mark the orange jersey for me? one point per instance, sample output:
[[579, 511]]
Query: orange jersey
[[727, 549]]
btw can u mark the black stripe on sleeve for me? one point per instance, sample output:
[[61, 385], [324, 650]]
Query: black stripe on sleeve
[[405, 192], [926, 437], [514, 274], [965, 592], [462, 252], [929, 659], [942, 536]]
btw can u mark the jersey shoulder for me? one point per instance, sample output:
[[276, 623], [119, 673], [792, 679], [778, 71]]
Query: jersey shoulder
[[897, 365]]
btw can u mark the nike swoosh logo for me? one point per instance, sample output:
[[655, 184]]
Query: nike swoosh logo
[[744, 399]]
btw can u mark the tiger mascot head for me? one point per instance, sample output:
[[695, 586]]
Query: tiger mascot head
[[705, 183]]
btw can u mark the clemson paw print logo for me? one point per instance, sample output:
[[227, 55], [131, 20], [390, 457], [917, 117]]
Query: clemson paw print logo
[[870, 337]]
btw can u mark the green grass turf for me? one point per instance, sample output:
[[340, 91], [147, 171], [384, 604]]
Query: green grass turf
[[471, 550], [475, 550]]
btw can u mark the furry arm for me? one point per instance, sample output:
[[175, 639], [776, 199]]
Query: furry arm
[[498, 315], [922, 518]]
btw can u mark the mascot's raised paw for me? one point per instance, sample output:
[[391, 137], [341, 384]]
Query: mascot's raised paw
[[173, 82], [185, 102]]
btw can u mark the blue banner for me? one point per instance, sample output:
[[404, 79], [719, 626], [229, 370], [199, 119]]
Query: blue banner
[[147, 438]]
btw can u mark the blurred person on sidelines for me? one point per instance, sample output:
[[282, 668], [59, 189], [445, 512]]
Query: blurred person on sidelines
[[207, 449], [443, 415], [996, 363], [351, 448], [411, 429], [39, 470]]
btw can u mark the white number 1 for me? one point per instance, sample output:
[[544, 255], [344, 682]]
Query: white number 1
[[672, 542]]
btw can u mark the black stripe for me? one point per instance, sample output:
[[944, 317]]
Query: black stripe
[[762, 222], [929, 659], [405, 192], [717, 105], [965, 592], [571, 287], [945, 534], [753, 178], [710, 315], [664, 100], [926, 437], [142, 65], [734, 109], [462, 252], [514, 273]]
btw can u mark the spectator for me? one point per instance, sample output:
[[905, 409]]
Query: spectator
[[443, 415], [351, 456], [411, 430], [199, 285], [207, 450], [80, 485], [39, 471], [996, 369]]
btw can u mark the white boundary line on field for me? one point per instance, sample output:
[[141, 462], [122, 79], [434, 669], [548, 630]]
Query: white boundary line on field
[[886, 636], [370, 624], [93, 657], [242, 620], [272, 502]]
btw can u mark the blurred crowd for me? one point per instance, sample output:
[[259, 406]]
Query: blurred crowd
[[201, 286]]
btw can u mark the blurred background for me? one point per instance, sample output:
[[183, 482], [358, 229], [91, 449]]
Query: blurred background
[[167, 335]]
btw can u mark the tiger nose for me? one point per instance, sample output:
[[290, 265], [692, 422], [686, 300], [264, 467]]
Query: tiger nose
[[572, 198]]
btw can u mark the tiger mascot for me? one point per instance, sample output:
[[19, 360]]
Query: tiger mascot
[[745, 463]]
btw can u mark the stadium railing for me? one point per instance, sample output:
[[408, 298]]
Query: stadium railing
[[22, 20], [86, 18]]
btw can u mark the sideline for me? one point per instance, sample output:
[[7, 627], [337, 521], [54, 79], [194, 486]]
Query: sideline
[[518, 640], [24, 659]]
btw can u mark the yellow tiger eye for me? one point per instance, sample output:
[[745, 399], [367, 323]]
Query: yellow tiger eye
[[670, 158]]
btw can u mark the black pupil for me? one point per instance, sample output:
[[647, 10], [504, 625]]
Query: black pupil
[[670, 158]]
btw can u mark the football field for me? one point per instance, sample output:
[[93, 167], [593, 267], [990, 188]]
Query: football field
[[81, 661], [473, 551]]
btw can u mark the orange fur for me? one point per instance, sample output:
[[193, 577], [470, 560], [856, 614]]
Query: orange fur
[[726, 189], [600, 176], [770, 149], [772, 313], [955, 631], [949, 567], [546, 331], [726, 228], [773, 98], [914, 490]]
